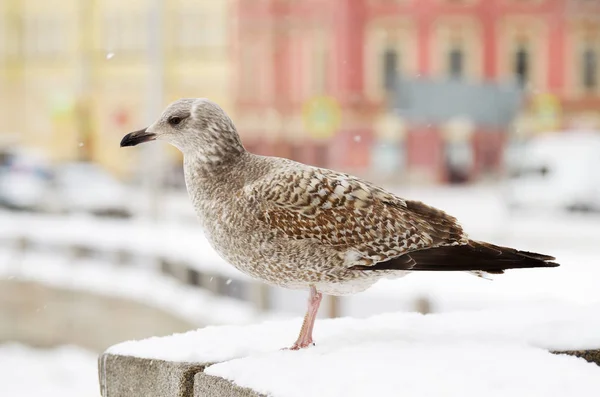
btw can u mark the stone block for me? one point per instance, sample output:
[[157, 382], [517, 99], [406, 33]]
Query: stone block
[[124, 376], [213, 386]]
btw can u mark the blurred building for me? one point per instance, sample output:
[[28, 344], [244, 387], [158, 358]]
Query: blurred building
[[76, 75], [335, 83], [319, 80]]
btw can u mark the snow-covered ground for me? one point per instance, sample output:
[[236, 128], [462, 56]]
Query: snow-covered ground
[[66, 371], [492, 353]]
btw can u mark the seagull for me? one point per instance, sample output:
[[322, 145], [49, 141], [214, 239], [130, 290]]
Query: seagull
[[297, 226]]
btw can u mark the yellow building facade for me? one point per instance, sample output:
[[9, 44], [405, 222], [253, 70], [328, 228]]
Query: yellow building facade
[[76, 75]]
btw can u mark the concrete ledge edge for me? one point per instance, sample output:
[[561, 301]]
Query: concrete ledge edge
[[214, 386], [125, 376], [133, 376]]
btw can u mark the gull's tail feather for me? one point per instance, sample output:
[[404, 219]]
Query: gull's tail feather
[[474, 256]]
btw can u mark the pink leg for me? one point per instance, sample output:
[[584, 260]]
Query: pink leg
[[305, 337]]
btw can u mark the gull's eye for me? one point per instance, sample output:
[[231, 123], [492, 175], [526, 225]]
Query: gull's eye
[[174, 120]]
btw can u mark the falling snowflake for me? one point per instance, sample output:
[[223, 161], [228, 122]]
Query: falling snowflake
[[228, 281], [81, 144], [110, 55], [357, 138]]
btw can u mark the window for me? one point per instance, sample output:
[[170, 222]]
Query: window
[[390, 69], [590, 68], [456, 62], [320, 66], [521, 67]]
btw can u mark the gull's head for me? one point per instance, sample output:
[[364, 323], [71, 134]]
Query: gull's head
[[196, 126]]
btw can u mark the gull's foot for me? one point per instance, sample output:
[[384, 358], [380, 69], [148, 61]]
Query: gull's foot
[[300, 345]]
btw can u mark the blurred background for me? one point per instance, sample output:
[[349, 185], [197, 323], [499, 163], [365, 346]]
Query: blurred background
[[487, 109]]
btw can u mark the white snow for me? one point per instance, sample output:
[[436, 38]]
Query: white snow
[[493, 352], [407, 369], [66, 371], [549, 326], [137, 283]]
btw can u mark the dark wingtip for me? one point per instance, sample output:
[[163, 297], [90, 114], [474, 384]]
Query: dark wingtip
[[535, 255]]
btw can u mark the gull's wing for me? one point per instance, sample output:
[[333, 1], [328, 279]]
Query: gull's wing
[[348, 214]]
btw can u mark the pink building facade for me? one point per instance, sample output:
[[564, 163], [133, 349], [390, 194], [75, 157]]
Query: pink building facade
[[290, 53]]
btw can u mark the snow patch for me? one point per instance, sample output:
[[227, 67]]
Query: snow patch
[[66, 371]]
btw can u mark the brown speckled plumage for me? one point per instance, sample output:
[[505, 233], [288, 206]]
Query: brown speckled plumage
[[297, 226]]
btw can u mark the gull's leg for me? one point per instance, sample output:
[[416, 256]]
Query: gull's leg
[[305, 337]]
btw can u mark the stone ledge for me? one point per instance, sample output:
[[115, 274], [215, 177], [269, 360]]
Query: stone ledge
[[213, 361], [125, 376], [213, 386]]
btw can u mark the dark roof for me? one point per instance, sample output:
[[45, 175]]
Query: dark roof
[[436, 101]]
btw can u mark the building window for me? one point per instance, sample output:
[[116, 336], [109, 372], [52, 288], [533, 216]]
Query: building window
[[390, 69], [456, 62], [590, 68], [521, 67], [320, 66]]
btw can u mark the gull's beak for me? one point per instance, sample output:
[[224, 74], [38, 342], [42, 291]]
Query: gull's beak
[[137, 137]]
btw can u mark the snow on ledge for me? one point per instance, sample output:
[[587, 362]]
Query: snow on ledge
[[501, 351], [415, 369], [550, 327]]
